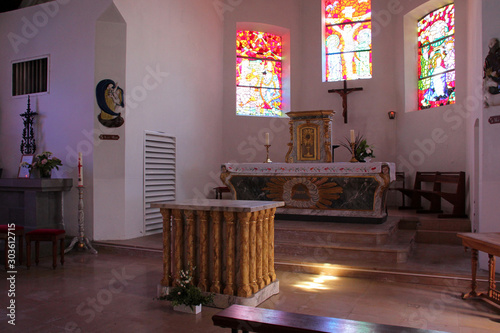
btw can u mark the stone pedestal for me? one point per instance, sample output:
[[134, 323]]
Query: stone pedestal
[[230, 242]]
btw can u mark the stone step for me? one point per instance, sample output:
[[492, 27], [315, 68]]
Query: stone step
[[433, 230], [328, 233], [430, 223], [396, 250], [438, 237]]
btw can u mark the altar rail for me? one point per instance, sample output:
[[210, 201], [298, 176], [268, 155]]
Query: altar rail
[[231, 244]]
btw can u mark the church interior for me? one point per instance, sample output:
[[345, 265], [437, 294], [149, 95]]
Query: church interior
[[124, 109]]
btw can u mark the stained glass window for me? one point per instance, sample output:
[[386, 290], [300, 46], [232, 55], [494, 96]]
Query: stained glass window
[[436, 58], [258, 74], [348, 39]]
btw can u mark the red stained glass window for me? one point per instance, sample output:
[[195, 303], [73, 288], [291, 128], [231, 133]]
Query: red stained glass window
[[258, 74], [436, 58], [348, 41]]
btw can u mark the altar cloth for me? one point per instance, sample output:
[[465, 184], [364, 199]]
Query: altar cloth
[[337, 192]]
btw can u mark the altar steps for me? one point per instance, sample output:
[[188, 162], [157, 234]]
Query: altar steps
[[330, 242], [433, 230]]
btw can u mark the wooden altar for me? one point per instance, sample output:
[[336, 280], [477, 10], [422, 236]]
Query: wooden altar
[[335, 192], [231, 244]]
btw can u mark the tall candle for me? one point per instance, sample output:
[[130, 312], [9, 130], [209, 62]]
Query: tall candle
[[352, 136], [80, 169], [267, 139]]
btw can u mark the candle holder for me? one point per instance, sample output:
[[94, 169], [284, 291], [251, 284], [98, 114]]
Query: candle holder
[[353, 150], [267, 154], [82, 241]]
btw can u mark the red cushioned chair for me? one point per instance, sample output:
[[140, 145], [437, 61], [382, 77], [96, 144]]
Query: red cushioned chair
[[19, 233], [48, 235]]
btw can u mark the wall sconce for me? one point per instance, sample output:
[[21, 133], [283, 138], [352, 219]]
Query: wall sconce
[[392, 114]]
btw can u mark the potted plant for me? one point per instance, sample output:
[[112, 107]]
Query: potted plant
[[362, 151], [185, 296], [44, 163]]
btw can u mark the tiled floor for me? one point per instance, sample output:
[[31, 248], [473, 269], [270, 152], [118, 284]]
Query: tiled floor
[[114, 292]]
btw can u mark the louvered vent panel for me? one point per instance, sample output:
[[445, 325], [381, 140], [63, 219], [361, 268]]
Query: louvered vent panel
[[30, 77], [159, 177]]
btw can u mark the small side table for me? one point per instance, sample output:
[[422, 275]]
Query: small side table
[[488, 242], [220, 190]]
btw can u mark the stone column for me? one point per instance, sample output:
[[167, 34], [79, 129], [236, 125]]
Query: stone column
[[178, 244], [229, 252], [216, 248], [243, 222], [203, 248], [253, 252], [165, 213]]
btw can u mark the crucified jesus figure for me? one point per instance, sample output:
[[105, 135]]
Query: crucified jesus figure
[[343, 93]]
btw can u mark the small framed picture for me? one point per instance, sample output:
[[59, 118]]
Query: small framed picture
[[24, 170]]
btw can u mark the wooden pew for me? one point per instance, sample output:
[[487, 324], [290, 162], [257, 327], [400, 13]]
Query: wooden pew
[[250, 319], [454, 192]]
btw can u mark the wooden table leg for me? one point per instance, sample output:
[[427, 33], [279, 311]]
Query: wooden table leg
[[491, 267], [473, 283]]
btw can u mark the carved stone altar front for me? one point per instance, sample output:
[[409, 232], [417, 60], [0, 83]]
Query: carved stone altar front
[[335, 192]]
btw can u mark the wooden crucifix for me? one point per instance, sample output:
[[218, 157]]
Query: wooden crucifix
[[344, 92]]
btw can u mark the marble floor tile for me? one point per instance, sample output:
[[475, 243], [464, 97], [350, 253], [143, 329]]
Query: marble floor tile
[[113, 292]]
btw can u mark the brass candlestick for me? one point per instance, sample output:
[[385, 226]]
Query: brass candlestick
[[267, 154], [353, 150]]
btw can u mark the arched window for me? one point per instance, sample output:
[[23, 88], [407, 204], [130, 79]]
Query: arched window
[[348, 39], [436, 58], [258, 74]]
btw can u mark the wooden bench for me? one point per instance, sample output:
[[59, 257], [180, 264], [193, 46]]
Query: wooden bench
[[449, 186], [250, 319]]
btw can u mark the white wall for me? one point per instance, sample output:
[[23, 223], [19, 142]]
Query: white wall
[[367, 109], [65, 31], [172, 80], [490, 157], [109, 168], [180, 42]]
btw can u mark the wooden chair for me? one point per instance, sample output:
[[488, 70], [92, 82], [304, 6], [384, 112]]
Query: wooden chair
[[18, 232], [48, 235]]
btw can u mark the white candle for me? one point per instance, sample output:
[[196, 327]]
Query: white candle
[[80, 169], [267, 139], [352, 136]]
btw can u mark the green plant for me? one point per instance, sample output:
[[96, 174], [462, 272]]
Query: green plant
[[185, 293], [44, 162], [361, 148]]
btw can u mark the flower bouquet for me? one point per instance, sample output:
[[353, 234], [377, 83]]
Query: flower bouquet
[[44, 163], [185, 294], [362, 151]]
